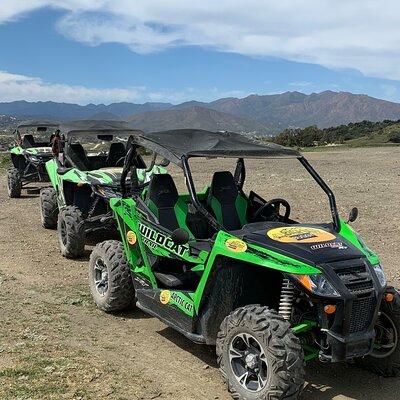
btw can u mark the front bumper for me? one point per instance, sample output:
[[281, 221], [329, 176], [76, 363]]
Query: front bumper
[[350, 331]]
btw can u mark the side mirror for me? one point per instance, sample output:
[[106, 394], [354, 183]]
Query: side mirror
[[180, 236], [353, 214], [163, 163]]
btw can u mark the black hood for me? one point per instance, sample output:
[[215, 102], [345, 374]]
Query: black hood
[[313, 244]]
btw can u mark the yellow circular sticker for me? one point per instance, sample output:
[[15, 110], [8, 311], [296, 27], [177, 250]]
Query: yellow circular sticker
[[300, 234], [236, 245], [165, 296], [131, 237]]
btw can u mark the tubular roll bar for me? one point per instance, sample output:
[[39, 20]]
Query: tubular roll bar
[[192, 191], [193, 196], [125, 170], [326, 189]]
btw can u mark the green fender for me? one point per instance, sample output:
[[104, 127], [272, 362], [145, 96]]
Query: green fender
[[262, 257], [51, 168], [348, 233]]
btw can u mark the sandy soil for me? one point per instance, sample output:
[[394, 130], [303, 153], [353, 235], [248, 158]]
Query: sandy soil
[[54, 344]]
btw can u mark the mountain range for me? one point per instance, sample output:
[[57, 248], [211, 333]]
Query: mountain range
[[262, 114]]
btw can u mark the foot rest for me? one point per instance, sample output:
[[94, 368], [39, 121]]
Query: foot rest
[[179, 280]]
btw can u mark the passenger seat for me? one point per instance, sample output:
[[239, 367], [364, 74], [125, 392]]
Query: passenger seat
[[227, 202]]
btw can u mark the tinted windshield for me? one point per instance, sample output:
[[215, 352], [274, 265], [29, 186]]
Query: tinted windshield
[[95, 144], [42, 134]]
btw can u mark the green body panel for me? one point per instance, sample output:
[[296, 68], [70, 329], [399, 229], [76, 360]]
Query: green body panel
[[347, 232], [16, 150], [144, 176], [36, 150], [51, 168], [100, 177], [33, 150], [183, 301], [130, 219], [264, 258]]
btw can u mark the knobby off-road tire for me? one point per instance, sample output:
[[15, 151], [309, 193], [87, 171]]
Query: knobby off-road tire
[[388, 366], [71, 232], [14, 183], [284, 375], [110, 278], [48, 208]]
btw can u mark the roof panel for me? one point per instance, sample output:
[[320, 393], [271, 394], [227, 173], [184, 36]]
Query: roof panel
[[96, 126], [174, 144], [26, 125]]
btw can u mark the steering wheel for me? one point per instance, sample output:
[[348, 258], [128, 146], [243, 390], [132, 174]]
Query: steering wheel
[[274, 204]]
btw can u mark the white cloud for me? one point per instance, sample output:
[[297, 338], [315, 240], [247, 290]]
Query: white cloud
[[359, 34], [20, 87], [300, 84]]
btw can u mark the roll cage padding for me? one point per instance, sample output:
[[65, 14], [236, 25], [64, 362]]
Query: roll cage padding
[[163, 200], [227, 202]]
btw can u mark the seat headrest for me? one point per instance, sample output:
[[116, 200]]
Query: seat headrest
[[76, 155], [28, 141], [162, 190], [117, 147], [223, 186]]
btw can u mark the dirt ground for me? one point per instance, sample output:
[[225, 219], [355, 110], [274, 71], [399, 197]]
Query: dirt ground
[[54, 344]]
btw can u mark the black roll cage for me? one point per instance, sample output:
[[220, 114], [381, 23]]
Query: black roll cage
[[240, 174]]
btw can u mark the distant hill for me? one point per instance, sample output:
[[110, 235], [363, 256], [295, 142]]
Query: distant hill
[[104, 115], [262, 113], [66, 111], [194, 117], [296, 109], [365, 133]]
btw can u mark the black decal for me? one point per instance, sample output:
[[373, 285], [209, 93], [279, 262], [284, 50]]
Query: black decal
[[160, 239]]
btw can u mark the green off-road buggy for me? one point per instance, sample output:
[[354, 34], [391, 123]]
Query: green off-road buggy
[[28, 156], [85, 173], [228, 268]]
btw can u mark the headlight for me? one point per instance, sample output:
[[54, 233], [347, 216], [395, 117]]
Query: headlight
[[380, 274], [317, 284]]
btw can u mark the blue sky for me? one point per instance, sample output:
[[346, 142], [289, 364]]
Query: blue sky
[[101, 51]]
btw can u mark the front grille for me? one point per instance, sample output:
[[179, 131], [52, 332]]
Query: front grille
[[356, 277], [361, 314]]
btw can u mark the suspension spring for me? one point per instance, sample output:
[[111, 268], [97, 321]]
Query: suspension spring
[[286, 300]]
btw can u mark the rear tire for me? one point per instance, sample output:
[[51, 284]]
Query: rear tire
[[377, 362], [14, 183], [110, 277], [71, 232], [259, 356], [48, 208]]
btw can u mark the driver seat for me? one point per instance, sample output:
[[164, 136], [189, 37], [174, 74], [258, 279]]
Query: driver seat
[[227, 202], [117, 151], [76, 157], [164, 201], [28, 141]]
